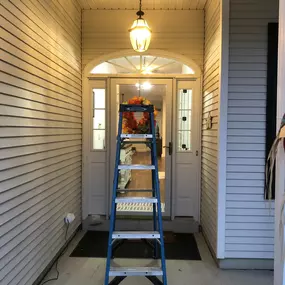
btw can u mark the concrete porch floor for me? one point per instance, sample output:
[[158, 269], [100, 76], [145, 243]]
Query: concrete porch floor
[[90, 271]]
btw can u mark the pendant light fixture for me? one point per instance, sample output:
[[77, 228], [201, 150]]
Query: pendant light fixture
[[140, 33]]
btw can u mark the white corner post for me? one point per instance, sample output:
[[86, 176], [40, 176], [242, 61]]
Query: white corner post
[[280, 165], [222, 139]]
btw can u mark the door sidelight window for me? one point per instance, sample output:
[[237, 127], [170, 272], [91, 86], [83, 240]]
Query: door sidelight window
[[99, 119], [184, 112]]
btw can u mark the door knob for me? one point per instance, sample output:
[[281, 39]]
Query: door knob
[[170, 147]]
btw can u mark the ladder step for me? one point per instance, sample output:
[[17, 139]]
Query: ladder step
[[136, 200], [136, 167], [135, 271], [135, 235], [134, 190], [136, 136]]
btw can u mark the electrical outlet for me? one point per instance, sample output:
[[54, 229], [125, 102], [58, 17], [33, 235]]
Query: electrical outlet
[[95, 217], [69, 218]]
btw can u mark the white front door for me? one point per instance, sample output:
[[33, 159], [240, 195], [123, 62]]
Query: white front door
[[95, 147], [159, 93], [186, 166], [178, 122]]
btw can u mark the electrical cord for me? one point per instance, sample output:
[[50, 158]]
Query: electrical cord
[[56, 263]]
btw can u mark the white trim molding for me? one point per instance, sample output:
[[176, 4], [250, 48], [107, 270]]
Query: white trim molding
[[222, 139], [152, 52], [280, 163]]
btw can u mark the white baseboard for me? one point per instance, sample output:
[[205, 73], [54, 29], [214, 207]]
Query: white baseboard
[[246, 264]]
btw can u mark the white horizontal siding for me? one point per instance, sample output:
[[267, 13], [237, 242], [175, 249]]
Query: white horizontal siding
[[249, 218], [181, 32], [211, 89], [40, 133]]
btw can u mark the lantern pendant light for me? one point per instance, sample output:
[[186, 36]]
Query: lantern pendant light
[[140, 33]]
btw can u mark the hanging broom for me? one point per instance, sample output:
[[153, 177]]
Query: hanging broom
[[269, 173], [270, 163]]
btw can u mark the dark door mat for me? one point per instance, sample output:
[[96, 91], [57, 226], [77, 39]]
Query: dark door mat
[[177, 247]]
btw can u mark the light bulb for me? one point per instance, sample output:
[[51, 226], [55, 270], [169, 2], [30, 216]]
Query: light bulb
[[140, 35]]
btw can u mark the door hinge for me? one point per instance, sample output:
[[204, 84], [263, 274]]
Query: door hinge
[[197, 152]]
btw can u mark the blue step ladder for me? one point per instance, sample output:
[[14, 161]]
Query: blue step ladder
[[152, 238]]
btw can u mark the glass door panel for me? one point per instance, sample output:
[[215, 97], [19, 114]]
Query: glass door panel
[[158, 93]]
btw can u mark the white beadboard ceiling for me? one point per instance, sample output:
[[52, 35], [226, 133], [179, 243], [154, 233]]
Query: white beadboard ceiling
[[146, 4]]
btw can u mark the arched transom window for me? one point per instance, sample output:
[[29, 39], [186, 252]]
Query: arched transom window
[[142, 64]]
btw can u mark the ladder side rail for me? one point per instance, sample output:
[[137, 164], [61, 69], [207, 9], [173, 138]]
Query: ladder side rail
[[163, 263], [154, 210]]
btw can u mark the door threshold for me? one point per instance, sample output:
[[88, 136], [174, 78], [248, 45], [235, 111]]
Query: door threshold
[[143, 223], [139, 217]]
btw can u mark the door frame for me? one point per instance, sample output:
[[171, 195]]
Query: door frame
[[86, 130]]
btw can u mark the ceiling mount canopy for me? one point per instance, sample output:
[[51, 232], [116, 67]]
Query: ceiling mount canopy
[[140, 32]]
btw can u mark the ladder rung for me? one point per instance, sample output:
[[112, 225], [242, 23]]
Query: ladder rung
[[136, 136], [135, 271], [136, 167], [135, 190], [135, 200], [135, 235]]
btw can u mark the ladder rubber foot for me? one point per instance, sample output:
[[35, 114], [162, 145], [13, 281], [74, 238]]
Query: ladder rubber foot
[[135, 235], [135, 271], [136, 200]]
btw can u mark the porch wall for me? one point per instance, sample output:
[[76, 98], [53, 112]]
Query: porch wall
[[249, 221], [106, 31], [211, 89], [40, 133]]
